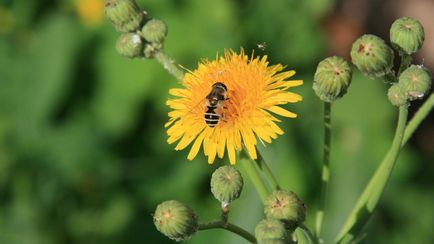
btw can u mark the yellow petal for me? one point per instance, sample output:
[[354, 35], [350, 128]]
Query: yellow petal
[[196, 146], [179, 92], [177, 130], [176, 104], [276, 128], [221, 146], [287, 97], [168, 123], [172, 139], [212, 151], [293, 83], [188, 137], [249, 141], [176, 113], [283, 112], [284, 75], [231, 150], [262, 133], [237, 139]]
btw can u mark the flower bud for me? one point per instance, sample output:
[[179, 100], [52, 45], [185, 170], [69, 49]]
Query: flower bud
[[125, 15], [285, 206], [154, 30], [129, 45], [226, 184], [397, 95], [271, 231], [407, 35], [415, 81], [372, 56], [175, 220], [332, 79]]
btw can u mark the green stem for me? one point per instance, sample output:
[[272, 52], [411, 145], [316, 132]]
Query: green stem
[[417, 118], [325, 178], [218, 224], [308, 234], [266, 171], [368, 200], [405, 62], [224, 213], [169, 64], [249, 166]]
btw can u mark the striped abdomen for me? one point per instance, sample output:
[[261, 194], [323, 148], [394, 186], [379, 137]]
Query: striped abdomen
[[211, 117]]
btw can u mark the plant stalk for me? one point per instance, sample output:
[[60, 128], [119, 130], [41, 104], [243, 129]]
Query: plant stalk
[[169, 64], [266, 172], [325, 178], [252, 172], [405, 62], [218, 224]]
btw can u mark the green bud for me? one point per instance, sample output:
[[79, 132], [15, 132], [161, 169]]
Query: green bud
[[332, 78], [407, 35], [175, 220], [129, 45], [125, 15], [154, 30], [226, 184], [271, 231], [397, 95], [372, 56], [415, 81], [285, 206]]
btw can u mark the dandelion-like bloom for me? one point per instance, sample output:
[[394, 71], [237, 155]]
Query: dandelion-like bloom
[[255, 92], [90, 11]]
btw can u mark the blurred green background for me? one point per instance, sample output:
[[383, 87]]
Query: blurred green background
[[83, 157]]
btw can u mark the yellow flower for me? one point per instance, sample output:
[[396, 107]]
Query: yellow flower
[[254, 89], [90, 11]]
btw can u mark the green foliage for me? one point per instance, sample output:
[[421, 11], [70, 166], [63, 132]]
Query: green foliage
[[83, 157]]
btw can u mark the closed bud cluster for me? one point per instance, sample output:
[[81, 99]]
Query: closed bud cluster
[[175, 220], [407, 35], [154, 31], [415, 81], [285, 206], [332, 79], [271, 231], [372, 56], [129, 45], [125, 15], [226, 184]]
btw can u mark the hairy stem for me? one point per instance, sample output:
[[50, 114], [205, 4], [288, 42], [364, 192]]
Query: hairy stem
[[218, 224], [325, 168], [169, 64]]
